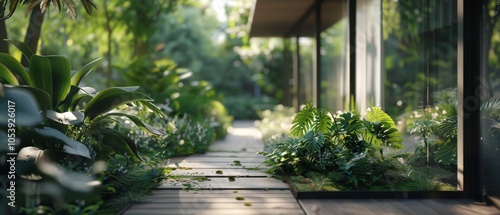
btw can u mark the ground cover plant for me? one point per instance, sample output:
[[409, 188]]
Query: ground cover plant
[[345, 151]]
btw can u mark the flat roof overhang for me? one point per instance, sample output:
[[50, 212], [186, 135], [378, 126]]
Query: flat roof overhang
[[280, 18]]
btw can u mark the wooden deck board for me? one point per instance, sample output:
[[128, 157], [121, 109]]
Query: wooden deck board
[[223, 160], [220, 172], [396, 207], [231, 205], [247, 210], [215, 165], [217, 183]]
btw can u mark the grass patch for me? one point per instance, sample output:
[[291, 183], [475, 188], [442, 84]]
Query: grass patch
[[248, 204], [240, 198]]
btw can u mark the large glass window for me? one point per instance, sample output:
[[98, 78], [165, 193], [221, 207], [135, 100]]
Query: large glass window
[[306, 59], [490, 97], [420, 87], [334, 51]]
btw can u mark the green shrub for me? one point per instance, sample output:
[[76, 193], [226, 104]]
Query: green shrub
[[344, 145]]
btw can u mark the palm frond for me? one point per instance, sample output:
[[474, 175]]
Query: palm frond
[[490, 107]]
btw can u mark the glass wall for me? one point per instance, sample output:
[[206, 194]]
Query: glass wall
[[368, 48], [420, 86], [405, 55], [490, 97], [306, 68], [334, 52]]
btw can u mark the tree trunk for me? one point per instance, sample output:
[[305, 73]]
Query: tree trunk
[[33, 32], [109, 31], [4, 46]]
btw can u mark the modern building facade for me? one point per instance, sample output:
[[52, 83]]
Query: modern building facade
[[404, 56]]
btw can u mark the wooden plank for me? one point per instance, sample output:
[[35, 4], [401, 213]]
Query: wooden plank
[[224, 183], [181, 192], [228, 154], [231, 205], [218, 165], [395, 206], [222, 160], [248, 210], [217, 195], [203, 199], [220, 172]]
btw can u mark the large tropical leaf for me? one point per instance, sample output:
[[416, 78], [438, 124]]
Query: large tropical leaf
[[61, 71], [303, 121], [384, 127], [66, 118], [42, 97], [57, 140], [322, 122], [446, 153], [15, 67], [82, 72], [41, 74], [119, 142], [7, 75], [110, 98], [137, 122], [313, 143], [23, 106], [25, 49]]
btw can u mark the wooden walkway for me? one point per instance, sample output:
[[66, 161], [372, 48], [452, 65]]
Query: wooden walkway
[[225, 181]]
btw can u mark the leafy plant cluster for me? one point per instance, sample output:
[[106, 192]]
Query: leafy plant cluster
[[165, 82], [75, 139], [184, 136], [345, 147], [436, 129]]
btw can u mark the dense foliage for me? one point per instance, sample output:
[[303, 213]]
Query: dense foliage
[[327, 151]]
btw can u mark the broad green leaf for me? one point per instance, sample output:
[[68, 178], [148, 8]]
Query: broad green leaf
[[61, 80], [66, 118], [41, 74], [60, 141], [77, 77], [25, 49], [446, 154], [139, 123], [15, 67], [303, 121], [156, 110], [110, 98], [120, 143], [42, 97], [21, 106], [7, 75]]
